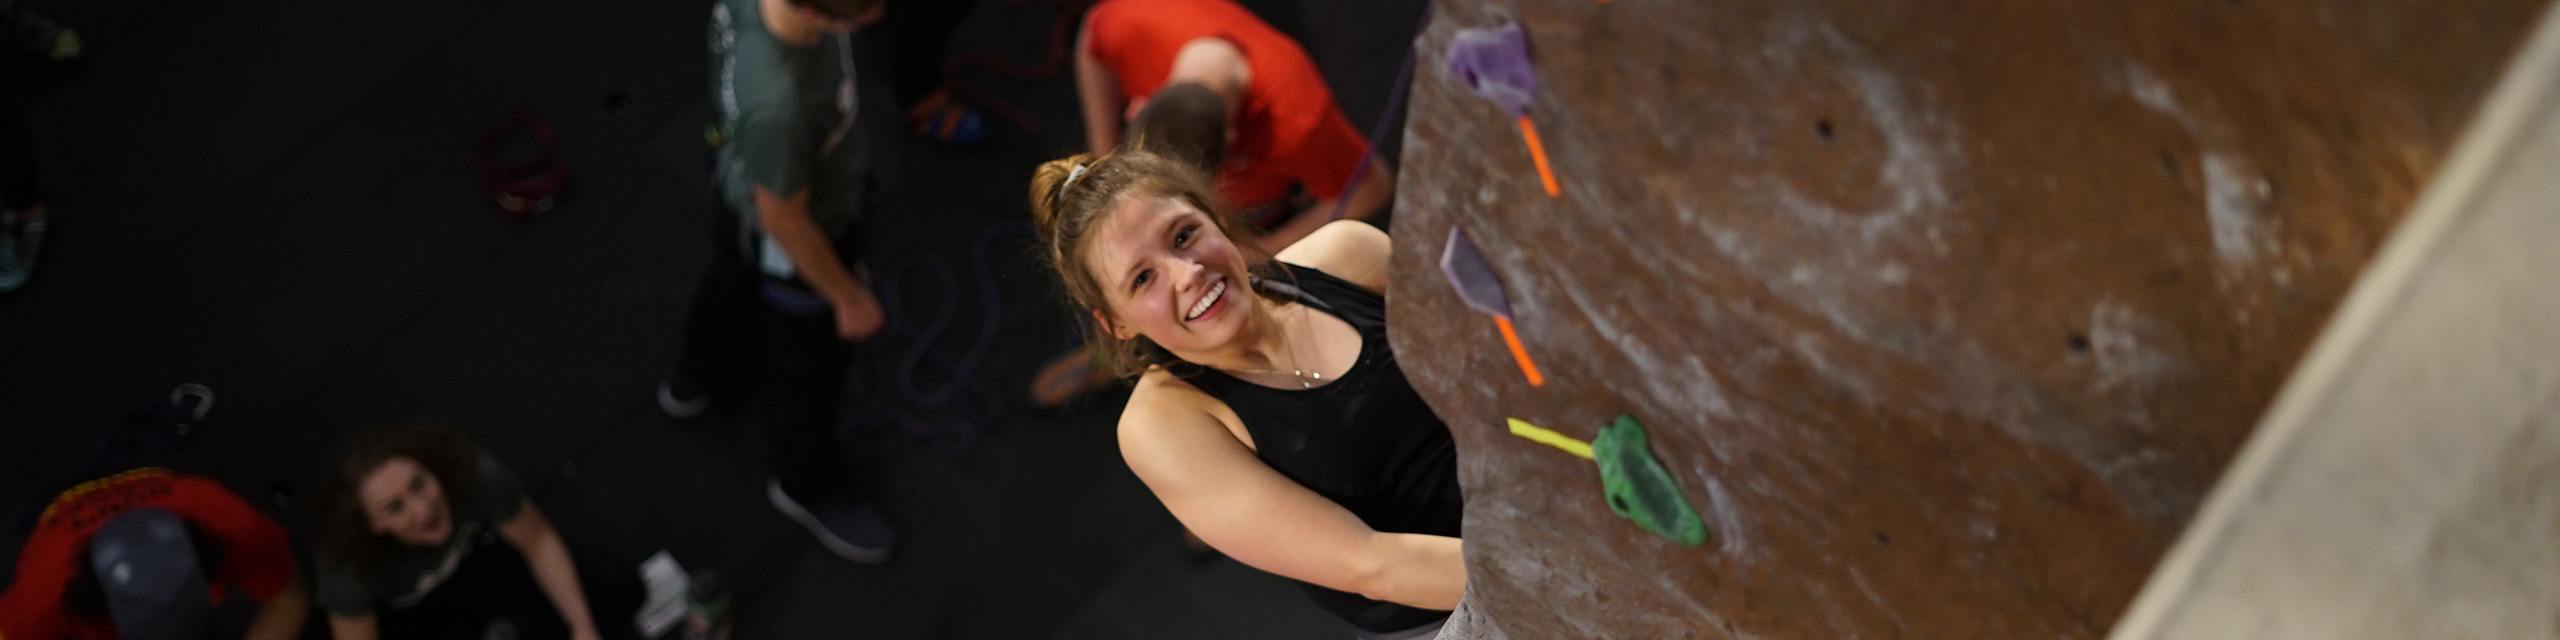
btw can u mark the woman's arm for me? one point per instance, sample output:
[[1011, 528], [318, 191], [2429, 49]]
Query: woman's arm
[[353, 627], [1099, 91], [281, 616], [1242, 507], [1350, 250], [532, 534]]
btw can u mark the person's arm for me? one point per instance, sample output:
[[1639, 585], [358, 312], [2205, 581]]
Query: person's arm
[[1099, 91], [257, 555], [1243, 508], [281, 616], [1353, 251], [786, 219], [353, 627], [532, 535]]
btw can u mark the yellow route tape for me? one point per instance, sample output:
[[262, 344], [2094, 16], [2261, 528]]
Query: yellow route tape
[[1550, 438]]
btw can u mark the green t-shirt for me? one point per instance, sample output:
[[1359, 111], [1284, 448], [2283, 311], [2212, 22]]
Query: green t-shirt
[[421, 569], [787, 120]]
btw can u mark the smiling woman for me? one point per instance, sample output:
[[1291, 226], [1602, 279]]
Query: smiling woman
[[1276, 425], [407, 523]]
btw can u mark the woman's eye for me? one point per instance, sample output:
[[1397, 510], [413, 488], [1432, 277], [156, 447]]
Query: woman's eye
[[418, 483], [1182, 238], [1141, 280], [394, 507]]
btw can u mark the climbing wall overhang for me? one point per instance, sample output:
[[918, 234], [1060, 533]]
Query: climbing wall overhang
[[1944, 316]]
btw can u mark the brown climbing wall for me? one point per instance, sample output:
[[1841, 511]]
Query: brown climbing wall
[[1945, 314]]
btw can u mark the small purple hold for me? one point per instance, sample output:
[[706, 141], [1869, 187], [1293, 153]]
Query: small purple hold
[[1494, 61], [1474, 280]]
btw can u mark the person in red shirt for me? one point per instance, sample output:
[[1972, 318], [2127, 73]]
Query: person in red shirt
[[60, 592], [1207, 81]]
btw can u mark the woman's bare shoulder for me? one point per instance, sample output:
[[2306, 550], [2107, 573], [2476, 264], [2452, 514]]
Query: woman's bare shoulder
[[1348, 249]]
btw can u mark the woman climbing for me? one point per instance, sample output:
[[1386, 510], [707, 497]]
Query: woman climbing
[[1269, 414], [407, 524]]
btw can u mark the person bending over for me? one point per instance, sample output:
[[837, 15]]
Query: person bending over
[[408, 524], [1269, 415], [1223, 90], [147, 555]]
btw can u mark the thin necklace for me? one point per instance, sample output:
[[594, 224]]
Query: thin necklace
[[1307, 379]]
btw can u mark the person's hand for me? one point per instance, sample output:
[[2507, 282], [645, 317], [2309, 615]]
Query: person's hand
[[858, 315]]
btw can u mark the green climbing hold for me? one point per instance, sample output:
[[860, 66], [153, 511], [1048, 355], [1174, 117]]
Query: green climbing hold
[[1639, 489]]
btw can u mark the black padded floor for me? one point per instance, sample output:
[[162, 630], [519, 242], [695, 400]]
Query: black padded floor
[[276, 198]]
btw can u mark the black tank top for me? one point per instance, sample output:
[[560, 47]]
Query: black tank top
[[1365, 441]]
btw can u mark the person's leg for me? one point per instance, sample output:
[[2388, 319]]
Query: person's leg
[[799, 405], [803, 375], [22, 215], [718, 362], [17, 160]]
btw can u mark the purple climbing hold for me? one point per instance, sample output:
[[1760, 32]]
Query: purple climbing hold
[[1494, 61], [1467, 272]]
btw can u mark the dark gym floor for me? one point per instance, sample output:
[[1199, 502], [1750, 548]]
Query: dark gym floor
[[276, 198]]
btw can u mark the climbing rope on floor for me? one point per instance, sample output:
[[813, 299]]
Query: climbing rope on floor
[[944, 401]]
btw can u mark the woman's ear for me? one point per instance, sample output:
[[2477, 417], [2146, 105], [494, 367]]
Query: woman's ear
[[1115, 329]]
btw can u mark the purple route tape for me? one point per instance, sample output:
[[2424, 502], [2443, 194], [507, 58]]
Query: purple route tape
[[1474, 280], [1494, 61]]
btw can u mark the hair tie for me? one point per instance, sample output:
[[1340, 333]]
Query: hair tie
[[1059, 199]]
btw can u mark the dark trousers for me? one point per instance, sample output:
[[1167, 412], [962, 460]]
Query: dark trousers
[[787, 368], [491, 584], [17, 159]]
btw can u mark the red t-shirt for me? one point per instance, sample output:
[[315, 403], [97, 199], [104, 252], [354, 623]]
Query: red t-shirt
[[256, 556], [1288, 131]]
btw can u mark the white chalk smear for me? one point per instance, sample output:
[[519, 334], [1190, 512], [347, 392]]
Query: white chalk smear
[[2235, 202], [1860, 577], [1726, 516], [2117, 344], [2235, 194]]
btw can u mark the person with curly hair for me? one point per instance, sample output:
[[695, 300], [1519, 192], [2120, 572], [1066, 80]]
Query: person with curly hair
[[408, 526]]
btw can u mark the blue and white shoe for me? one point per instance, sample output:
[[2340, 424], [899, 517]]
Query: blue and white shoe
[[19, 240], [851, 529]]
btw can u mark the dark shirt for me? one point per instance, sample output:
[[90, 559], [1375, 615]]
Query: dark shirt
[[1366, 441]]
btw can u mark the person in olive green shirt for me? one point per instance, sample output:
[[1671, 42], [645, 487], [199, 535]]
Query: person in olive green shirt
[[779, 303]]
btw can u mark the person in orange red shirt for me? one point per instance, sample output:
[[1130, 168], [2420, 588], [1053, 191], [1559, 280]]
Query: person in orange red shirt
[[146, 555], [1208, 82]]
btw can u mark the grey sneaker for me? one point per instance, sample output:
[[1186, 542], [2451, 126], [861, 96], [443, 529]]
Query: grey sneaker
[[850, 529], [19, 240], [681, 401]]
